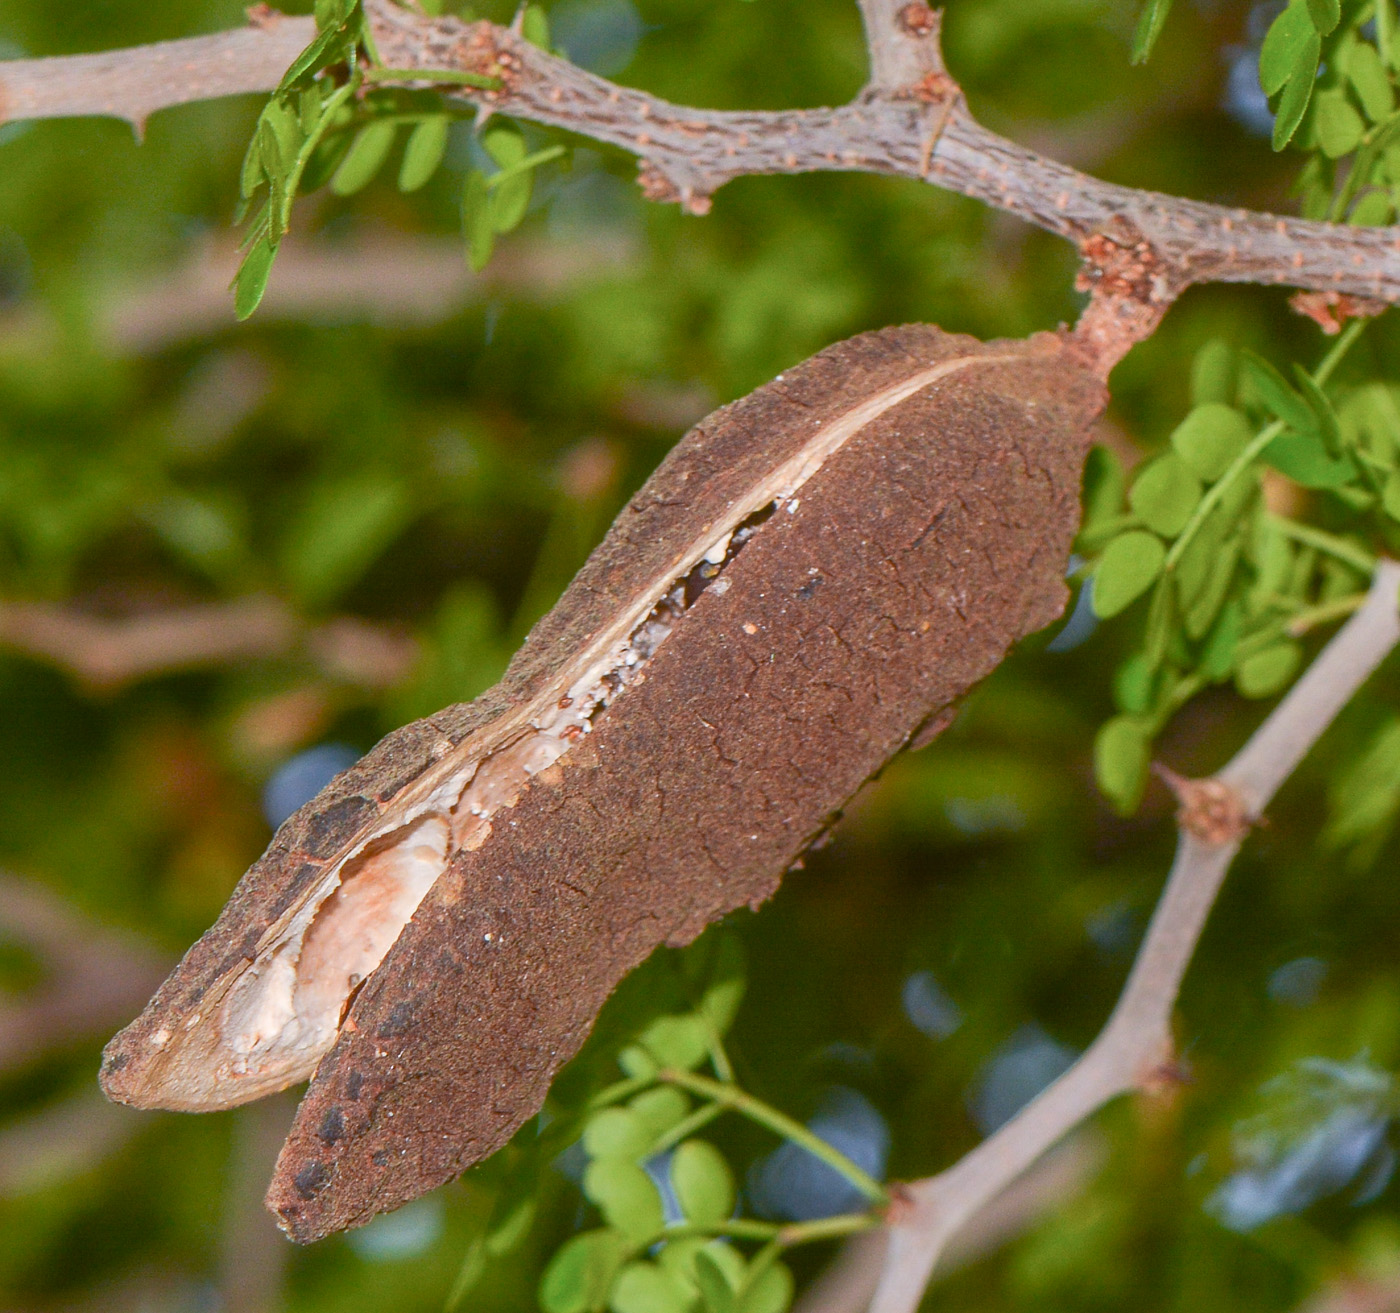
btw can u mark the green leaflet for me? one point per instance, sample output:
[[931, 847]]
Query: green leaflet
[[1284, 45], [253, 273], [1263, 673], [477, 224], [1122, 750], [1297, 94], [682, 1042], [1164, 494], [1368, 78], [427, 144], [617, 1133], [646, 1288], [1210, 437], [1149, 28], [660, 1109], [581, 1273], [365, 157], [1339, 127], [1304, 459], [1126, 570], [625, 1196], [1364, 799], [703, 1183]]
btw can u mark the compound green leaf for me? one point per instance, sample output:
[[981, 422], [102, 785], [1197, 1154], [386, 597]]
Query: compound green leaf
[[1202, 609], [636, 1062], [1276, 394], [1218, 658]]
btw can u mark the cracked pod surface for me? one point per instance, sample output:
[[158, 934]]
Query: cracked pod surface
[[806, 584]]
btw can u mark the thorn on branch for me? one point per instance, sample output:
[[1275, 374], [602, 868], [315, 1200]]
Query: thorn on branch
[[1211, 810]]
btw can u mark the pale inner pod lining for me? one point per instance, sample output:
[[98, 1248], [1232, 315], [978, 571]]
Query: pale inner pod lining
[[281, 1013]]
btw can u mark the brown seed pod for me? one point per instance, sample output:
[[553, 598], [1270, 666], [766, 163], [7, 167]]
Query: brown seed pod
[[803, 588]]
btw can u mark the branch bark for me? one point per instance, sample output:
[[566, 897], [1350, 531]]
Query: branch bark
[[911, 121], [1134, 1051], [132, 84]]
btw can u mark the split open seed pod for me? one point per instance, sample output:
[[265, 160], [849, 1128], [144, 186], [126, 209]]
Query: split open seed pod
[[802, 589]]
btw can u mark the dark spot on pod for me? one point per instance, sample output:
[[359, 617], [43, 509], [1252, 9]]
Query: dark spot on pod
[[332, 1126], [328, 831], [809, 588], [379, 1159], [398, 1022], [312, 1179], [117, 1061], [354, 1083]]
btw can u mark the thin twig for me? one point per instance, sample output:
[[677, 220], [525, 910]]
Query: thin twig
[[686, 154], [1134, 1050]]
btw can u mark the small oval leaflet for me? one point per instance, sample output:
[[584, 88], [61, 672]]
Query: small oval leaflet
[[804, 587]]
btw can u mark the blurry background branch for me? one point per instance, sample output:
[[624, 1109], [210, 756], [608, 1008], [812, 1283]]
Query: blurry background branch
[[107, 652], [89, 976], [379, 276], [1150, 245], [1135, 1050]]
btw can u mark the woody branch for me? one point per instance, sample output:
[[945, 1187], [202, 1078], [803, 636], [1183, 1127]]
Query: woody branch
[[1134, 1051], [910, 121]]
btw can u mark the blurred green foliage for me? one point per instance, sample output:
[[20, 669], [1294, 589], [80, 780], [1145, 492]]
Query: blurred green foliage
[[441, 473]]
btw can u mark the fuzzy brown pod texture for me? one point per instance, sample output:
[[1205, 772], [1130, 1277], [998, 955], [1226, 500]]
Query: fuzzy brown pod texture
[[802, 589]]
